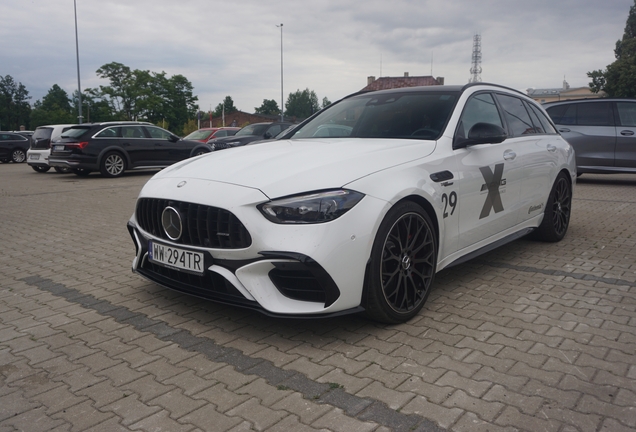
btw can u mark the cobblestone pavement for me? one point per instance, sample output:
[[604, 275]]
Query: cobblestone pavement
[[530, 337]]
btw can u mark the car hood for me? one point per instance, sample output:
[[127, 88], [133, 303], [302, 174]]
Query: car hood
[[287, 167]]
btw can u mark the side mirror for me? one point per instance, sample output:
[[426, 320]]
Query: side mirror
[[482, 133], [267, 135]]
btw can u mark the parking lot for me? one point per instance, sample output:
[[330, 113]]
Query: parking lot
[[530, 337]]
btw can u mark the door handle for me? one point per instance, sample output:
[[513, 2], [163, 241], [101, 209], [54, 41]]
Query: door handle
[[158, 144], [564, 130], [551, 148], [509, 155], [627, 133], [126, 144]]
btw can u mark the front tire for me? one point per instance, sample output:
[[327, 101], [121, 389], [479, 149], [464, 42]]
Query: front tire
[[556, 218], [18, 156], [402, 266], [113, 165], [40, 168]]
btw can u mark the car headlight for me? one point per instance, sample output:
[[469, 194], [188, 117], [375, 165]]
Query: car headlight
[[316, 207]]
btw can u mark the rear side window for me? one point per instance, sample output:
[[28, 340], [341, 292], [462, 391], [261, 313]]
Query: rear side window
[[107, 133], [516, 115], [545, 122], [627, 113], [75, 132], [594, 114]]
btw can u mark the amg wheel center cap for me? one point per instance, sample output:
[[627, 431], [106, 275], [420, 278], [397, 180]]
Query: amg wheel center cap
[[171, 222], [406, 262]]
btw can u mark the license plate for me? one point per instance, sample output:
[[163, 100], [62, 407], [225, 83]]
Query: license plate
[[58, 147], [34, 157], [176, 258]]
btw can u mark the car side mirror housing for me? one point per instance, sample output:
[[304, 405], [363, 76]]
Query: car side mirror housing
[[267, 135], [481, 133], [173, 138]]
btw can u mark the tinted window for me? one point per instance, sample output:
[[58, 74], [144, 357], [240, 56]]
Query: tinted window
[[75, 132], [480, 108], [158, 133], [42, 133], [627, 113], [538, 127], [516, 115], [594, 114], [406, 115], [545, 122], [107, 133], [132, 132], [563, 114]]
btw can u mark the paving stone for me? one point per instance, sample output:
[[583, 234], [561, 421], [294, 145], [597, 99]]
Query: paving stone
[[308, 411], [160, 421], [206, 418], [439, 414]]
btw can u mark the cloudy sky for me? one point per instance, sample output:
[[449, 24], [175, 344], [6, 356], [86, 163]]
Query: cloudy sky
[[329, 46]]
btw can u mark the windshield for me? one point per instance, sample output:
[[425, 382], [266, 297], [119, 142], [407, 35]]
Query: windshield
[[254, 129], [199, 135], [416, 115], [74, 132]]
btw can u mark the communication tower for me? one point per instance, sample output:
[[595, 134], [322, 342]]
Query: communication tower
[[475, 70]]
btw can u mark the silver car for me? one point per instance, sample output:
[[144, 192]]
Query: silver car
[[602, 132]]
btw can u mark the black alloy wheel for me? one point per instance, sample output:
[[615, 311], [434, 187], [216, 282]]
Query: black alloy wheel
[[403, 264], [556, 217]]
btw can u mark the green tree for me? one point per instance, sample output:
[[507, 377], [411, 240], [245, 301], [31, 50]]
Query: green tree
[[226, 106], [15, 109], [301, 104], [619, 78], [325, 102], [54, 108], [94, 108], [269, 107], [145, 95]]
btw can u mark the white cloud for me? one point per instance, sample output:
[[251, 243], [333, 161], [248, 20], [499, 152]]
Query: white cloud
[[330, 46]]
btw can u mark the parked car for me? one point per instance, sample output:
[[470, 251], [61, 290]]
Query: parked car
[[248, 134], [206, 134], [13, 147], [40, 149], [602, 132], [114, 147], [314, 226]]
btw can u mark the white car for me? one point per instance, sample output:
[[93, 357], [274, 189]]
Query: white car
[[38, 153], [428, 177]]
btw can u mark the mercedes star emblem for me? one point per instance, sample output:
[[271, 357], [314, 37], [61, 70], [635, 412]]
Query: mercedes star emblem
[[171, 221]]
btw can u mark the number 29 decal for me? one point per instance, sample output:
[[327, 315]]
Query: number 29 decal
[[449, 200]]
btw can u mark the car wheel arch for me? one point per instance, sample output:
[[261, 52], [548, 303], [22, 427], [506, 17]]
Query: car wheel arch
[[111, 149], [426, 206]]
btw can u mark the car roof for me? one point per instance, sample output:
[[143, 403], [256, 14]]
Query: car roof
[[587, 100]]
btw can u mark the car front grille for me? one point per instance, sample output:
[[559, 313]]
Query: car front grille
[[204, 226]]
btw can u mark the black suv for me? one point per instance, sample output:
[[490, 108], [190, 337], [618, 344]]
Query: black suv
[[248, 134], [115, 147]]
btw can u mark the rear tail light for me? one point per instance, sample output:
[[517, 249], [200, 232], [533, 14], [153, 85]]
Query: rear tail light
[[79, 145]]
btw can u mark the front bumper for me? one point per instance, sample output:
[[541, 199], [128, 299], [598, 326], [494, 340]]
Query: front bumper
[[313, 270]]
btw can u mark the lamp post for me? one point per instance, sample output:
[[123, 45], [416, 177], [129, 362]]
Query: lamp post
[[79, 87], [282, 106]]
